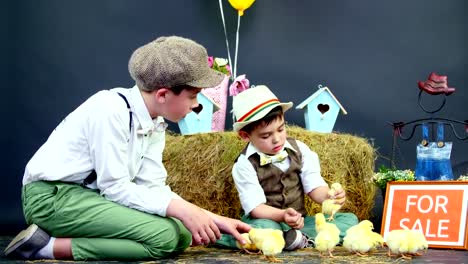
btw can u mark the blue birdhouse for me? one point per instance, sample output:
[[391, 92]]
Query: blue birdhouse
[[321, 110], [199, 120]]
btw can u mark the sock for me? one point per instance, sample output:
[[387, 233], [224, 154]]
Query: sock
[[47, 252]]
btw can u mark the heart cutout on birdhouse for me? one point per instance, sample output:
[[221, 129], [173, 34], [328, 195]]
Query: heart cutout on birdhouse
[[323, 108], [198, 109]]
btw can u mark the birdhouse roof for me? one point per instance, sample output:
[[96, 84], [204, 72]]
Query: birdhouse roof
[[216, 106], [316, 94]]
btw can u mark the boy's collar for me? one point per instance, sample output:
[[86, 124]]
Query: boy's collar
[[139, 108]]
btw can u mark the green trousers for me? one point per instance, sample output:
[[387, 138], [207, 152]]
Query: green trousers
[[101, 229], [342, 220]]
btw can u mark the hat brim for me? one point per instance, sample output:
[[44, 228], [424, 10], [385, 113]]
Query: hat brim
[[211, 78], [239, 125]]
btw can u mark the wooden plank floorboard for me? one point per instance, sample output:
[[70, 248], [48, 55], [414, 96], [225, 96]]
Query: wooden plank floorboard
[[217, 255]]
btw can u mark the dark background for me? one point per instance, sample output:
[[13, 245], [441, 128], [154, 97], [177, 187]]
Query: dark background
[[371, 54]]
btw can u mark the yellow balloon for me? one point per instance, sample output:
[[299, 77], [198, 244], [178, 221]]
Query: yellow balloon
[[241, 5]]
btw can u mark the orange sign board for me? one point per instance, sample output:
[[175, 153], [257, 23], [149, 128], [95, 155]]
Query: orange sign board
[[436, 208]]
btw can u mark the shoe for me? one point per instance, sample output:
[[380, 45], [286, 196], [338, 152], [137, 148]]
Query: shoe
[[27, 243], [295, 239]]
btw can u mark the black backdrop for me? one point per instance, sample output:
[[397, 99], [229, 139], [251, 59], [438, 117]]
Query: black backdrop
[[369, 53]]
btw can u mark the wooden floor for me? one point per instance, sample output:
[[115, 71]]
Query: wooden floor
[[217, 255]]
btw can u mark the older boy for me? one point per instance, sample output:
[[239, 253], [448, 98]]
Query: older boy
[[97, 188], [274, 172]]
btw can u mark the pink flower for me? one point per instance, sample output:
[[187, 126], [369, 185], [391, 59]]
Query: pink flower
[[219, 64], [210, 61], [239, 85]]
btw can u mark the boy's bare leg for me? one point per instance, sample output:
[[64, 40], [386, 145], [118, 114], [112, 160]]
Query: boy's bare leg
[[62, 248]]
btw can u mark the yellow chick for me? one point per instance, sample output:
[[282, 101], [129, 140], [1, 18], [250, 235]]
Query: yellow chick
[[417, 242], [360, 239], [405, 242], [328, 235], [269, 241], [249, 246], [378, 240], [329, 206], [364, 225], [396, 242]]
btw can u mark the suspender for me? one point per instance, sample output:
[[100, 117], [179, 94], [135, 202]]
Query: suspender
[[93, 176], [90, 179], [440, 135], [129, 111]]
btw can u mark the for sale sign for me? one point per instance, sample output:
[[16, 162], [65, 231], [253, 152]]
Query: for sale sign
[[436, 208]]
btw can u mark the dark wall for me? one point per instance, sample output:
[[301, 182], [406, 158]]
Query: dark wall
[[369, 53]]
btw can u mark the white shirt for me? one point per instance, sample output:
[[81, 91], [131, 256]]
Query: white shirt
[[96, 136], [250, 191]]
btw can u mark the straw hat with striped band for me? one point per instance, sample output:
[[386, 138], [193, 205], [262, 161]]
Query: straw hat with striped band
[[253, 104]]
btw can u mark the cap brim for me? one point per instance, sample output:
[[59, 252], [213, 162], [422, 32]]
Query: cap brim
[[238, 125], [211, 78]]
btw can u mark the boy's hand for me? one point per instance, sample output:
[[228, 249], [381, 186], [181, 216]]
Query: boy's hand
[[293, 219], [232, 226], [340, 197], [200, 224]]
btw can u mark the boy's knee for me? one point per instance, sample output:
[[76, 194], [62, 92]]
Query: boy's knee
[[185, 239], [351, 218], [264, 223], [169, 241], [346, 220], [347, 217]]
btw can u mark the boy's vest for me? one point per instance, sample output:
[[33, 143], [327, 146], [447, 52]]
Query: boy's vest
[[282, 189]]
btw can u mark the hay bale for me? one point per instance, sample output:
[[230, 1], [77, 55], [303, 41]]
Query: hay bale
[[199, 168]]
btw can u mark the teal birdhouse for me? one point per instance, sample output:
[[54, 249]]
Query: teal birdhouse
[[321, 110], [199, 120]]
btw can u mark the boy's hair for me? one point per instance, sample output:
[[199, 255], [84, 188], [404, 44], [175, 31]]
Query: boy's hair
[[274, 114], [179, 88]]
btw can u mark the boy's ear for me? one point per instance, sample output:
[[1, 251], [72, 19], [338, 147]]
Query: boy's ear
[[244, 136], [161, 94]]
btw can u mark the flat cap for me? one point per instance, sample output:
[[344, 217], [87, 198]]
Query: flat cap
[[172, 61]]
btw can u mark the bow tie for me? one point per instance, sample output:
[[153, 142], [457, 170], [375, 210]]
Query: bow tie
[[267, 159]]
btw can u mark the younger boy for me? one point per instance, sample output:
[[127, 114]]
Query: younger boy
[[274, 172]]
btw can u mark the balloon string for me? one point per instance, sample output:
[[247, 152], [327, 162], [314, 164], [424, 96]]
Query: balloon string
[[225, 32], [237, 46]]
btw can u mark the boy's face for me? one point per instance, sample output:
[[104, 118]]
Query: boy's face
[[178, 106], [268, 139]]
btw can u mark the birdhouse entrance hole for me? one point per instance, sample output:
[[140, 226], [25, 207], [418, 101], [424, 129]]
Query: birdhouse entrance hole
[[323, 108], [198, 109]]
